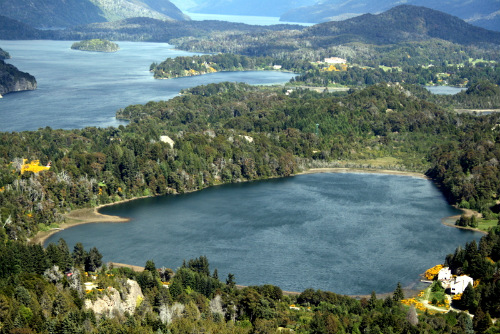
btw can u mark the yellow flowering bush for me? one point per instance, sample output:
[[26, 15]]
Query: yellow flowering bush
[[431, 273]]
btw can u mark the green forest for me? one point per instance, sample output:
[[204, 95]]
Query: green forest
[[209, 128], [96, 45]]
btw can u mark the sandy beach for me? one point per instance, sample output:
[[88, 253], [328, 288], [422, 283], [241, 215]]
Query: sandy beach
[[80, 217], [361, 170]]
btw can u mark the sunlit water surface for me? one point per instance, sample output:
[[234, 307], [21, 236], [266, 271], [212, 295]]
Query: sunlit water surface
[[347, 233], [78, 89]]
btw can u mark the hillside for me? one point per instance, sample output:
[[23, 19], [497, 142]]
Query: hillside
[[13, 29], [482, 13], [401, 24], [113, 10], [167, 8], [422, 35], [152, 30], [66, 13]]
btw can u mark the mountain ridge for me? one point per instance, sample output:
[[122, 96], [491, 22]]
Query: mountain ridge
[[405, 23], [482, 13], [67, 13]]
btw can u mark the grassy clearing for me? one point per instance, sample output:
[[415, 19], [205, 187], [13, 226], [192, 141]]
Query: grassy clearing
[[436, 294], [388, 68], [486, 224], [379, 162], [481, 60]]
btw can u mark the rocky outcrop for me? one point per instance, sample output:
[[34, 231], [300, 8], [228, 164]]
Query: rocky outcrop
[[13, 80], [4, 54], [111, 302]]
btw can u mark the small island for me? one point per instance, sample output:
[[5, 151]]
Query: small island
[[96, 45]]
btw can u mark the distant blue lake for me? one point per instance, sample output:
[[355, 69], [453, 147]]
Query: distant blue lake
[[444, 90], [78, 89], [247, 19], [346, 233]]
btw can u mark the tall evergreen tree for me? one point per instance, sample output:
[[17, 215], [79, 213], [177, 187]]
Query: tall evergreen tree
[[398, 294]]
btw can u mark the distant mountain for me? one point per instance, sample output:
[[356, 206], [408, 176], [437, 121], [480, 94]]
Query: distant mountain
[[114, 10], [247, 7], [482, 13], [167, 8], [67, 13], [13, 29], [51, 13], [402, 24]]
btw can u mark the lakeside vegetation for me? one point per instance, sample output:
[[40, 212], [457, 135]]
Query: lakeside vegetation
[[49, 297], [197, 65], [96, 45]]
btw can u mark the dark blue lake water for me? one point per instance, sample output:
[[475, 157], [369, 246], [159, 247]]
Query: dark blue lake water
[[78, 89], [347, 233]]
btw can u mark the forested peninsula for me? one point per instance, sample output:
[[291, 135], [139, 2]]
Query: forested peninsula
[[198, 65], [96, 45]]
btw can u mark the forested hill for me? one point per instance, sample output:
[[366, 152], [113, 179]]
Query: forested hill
[[13, 29], [401, 24], [55, 13], [67, 13], [482, 13], [148, 29]]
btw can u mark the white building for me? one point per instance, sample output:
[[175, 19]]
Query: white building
[[459, 284], [335, 60], [444, 274], [168, 140]]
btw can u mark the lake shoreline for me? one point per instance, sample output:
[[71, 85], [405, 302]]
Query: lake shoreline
[[83, 216], [91, 215]]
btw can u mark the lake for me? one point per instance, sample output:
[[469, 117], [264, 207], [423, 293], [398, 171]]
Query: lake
[[77, 89], [346, 233], [444, 90], [247, 19]]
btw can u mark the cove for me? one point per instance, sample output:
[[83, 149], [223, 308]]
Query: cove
[[346, 233]]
